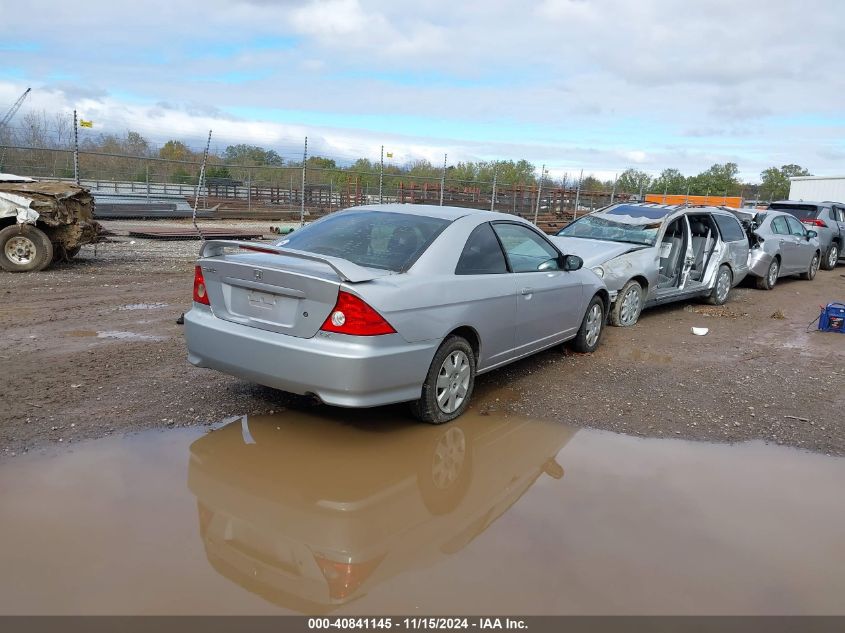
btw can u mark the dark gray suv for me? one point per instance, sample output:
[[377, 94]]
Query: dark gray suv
[[827, 219]]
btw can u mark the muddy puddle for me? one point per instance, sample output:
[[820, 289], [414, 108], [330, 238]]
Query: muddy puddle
[[369, 513]]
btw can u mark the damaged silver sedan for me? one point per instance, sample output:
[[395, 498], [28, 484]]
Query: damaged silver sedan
[[648, 254], [781, 246]]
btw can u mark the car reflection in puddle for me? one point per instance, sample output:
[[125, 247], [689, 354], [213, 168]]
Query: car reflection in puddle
[[311, 513]]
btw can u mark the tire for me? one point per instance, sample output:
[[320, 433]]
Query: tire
[[814, 267], [24, 248], [592, 326], [722, 288], [768, 282], [628, 306], [455, 352], [831, 257]]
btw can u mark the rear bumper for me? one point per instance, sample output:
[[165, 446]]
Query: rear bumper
[[759, 262], [345, 371]]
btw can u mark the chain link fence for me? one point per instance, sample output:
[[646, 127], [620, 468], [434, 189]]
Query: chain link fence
[[259, 191]]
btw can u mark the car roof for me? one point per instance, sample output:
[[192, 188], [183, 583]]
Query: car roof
[[809, 203], [434, 211]]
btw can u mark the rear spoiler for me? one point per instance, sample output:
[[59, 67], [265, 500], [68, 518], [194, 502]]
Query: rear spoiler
[[346, 270]]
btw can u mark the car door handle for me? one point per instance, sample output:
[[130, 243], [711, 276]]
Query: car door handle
[[526, 291]]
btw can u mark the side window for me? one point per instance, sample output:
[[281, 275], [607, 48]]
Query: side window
[[527, 252], [795, 227], [730, 228], [840, 214], [779, 226], [482, 254]]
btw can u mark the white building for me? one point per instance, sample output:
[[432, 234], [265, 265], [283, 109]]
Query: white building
[[817, 188]]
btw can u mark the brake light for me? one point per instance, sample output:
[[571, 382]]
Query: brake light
[[815, 222], [345, 578], [200, 292], [351, 315]]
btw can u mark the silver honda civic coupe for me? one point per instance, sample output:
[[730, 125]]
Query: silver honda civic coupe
[[648, 254], [781, 246], [390, 303]]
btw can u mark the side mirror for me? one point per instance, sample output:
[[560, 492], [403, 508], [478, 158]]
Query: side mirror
[[571, 262], [812, 234]]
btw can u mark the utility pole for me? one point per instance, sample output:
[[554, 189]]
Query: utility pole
[[613, 192], [539, 193], [578, 194], [75, 149], [493, 196], [443, 179], [302, 199], [381, 178]]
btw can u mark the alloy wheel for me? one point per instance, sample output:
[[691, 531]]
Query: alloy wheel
[[593, 325], [723, 285], [452, 382], [630, 308]]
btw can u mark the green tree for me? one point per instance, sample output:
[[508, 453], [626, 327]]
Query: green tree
[[633, 181], [217, 171], [321, 163], [669, 181], [719, 179], [592, 184], [244, 154], [775, 181]]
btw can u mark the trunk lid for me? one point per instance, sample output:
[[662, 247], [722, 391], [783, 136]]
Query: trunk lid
[[290, 293]]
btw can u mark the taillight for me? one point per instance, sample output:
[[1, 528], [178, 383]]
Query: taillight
[[815, 222], [200, 292], [345, 578], [351, 315]]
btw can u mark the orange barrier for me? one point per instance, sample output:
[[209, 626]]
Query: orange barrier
[[710, 201]]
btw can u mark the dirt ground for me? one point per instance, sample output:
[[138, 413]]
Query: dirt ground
[[92, 347]]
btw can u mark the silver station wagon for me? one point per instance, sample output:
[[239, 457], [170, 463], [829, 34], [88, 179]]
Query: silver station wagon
[[390, 303], [648, 254]]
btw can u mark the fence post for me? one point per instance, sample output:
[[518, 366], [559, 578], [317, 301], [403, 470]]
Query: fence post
[[75, 149], [578, 194], [443, 179], [302, 202], [381, 177], [249, 189], [539, 193]]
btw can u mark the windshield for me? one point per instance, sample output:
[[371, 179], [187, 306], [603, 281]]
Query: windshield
[[600, 227], [375, 239]]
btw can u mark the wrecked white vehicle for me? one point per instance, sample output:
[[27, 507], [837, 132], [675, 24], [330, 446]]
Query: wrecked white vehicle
[[42, 222], [648, 254]]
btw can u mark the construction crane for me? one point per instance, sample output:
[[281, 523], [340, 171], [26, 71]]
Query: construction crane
[[17, 106]]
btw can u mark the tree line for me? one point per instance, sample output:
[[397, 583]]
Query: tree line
[[244, 162]]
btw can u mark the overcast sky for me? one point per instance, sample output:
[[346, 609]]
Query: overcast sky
[[595, 84]]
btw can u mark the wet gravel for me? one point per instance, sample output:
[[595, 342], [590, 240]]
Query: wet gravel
[[83, 360]]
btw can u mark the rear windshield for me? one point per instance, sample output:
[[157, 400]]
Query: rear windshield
[[375, 239], [800, 211]]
